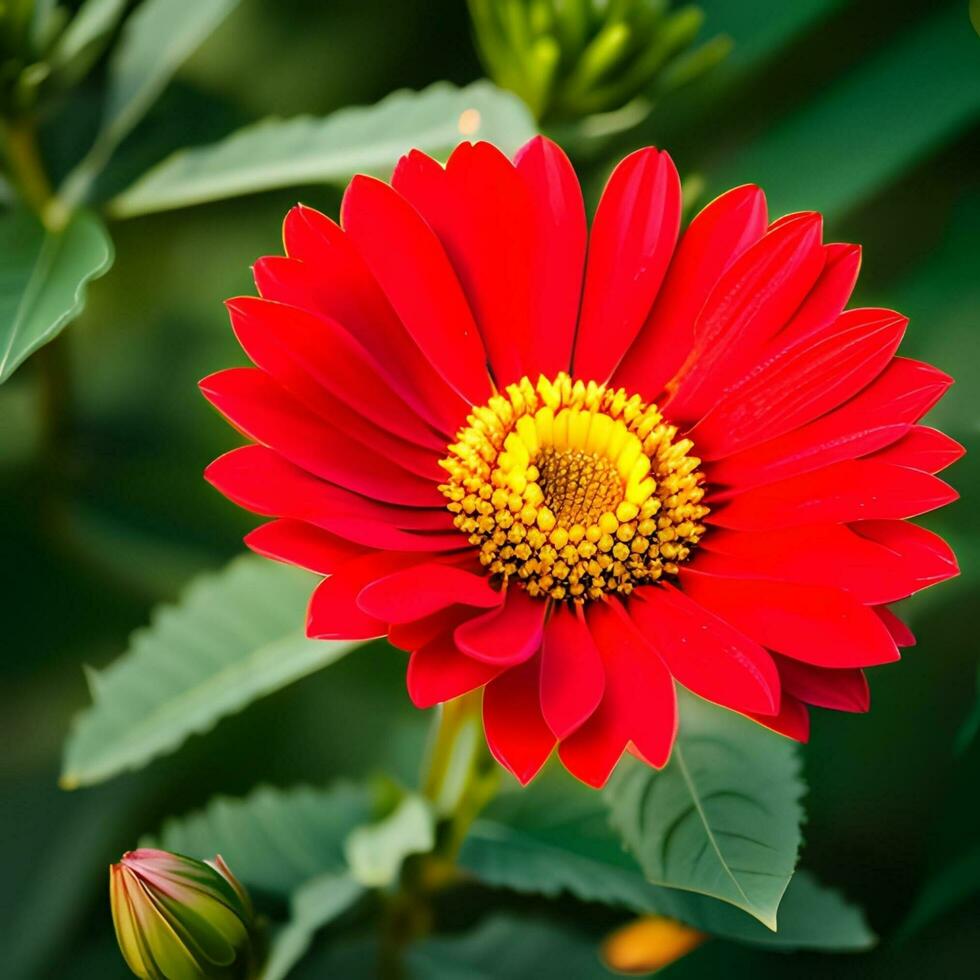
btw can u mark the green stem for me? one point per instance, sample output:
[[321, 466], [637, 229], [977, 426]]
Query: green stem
[[460, 780]]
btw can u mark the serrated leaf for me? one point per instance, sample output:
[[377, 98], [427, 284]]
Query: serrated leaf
[[155, 41], [43, 278], [306, 150], [722, 818], [827, 157], [274, 840], [376, 852], [550, 839], [284, 845], [235, 636]]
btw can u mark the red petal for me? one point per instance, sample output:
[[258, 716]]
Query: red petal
[[422, 590], [411, 267], [572, 675], [416, 634], [752, 300], [639, 704], [299, 543], [830, 553], [508, 635], [878, 415], [923, 449], [841, 690], [850, 491], [801, 382], [928, 558], [334, 613], [715, 238], [826, 301], [253, 403], [516, 733], [898, 631], [632, 240], [342, 287], [814, 623], [793, 719], [307, 353], [558, 257], [480, 209], [260, 480], [438, 672], [704, 653]]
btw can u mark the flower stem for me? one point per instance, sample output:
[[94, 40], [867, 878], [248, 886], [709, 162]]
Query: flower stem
[[460, 779]]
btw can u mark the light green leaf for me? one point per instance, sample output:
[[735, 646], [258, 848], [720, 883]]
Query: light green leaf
[[375, 852], [552, 839], [869, 126], [235, 636], [722, 818], [281, 844], [156, 40], [43, 278], [83, 39], [507, 946], [306, 150], [275, 841]]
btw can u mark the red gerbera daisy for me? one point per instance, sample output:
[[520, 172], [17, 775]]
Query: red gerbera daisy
[[573, 467]]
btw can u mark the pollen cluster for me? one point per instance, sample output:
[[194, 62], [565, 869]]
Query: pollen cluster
[[574, 489]]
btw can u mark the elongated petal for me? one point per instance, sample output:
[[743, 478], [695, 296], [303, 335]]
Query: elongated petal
[[850, 491], [558, 256], [898, 630], [922, 448], [572, 674], [481, 211], [844, 689], [716, 237], [704, 653], [302, 544], [792, 720], [631, 243], [421, 590], [818, 624], [507, 635], [515, 729], [927, 557], [438, 672], [420, 283]]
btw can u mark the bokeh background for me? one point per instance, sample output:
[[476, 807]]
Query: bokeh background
[[866, 111]]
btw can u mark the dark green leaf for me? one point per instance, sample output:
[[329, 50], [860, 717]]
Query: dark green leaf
[[951, 887], [722, 818], [43, 278], [306, 150], [551, 839], [235, 636]]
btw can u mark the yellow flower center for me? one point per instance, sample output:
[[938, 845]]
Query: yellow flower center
[[574, 489]]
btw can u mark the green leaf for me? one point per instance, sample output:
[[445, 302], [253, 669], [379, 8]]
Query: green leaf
[[505, 946], [43, 278], [722, 818], [156, 40], [869, 126], [951, 887], [84, 38], [552, 839], [235, 636], [275, 841], [306, 150], [376, 852]]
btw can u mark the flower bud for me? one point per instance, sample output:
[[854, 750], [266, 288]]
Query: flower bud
[[181, 919]]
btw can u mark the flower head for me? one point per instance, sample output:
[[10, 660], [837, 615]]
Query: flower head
[[576, 467], [179, 919]]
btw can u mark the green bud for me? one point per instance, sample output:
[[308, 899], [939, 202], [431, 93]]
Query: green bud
[[181, 919]]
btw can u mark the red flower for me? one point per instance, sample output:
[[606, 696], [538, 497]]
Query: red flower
[[573, 476]]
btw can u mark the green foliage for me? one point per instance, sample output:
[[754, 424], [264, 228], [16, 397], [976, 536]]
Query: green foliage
[[235, 636], [951, 887], [43, 278], [281, 153], [376, 852], [556, 837], [155, 42], [722, 818], [83, 40]]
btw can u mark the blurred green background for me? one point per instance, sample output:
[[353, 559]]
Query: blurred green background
[[867, 111]]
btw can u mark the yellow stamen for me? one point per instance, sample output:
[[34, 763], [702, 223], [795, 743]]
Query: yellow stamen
[[574, 489]]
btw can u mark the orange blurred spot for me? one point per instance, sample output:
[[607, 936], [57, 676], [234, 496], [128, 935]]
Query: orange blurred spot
[[649, 943], [469, 122]]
